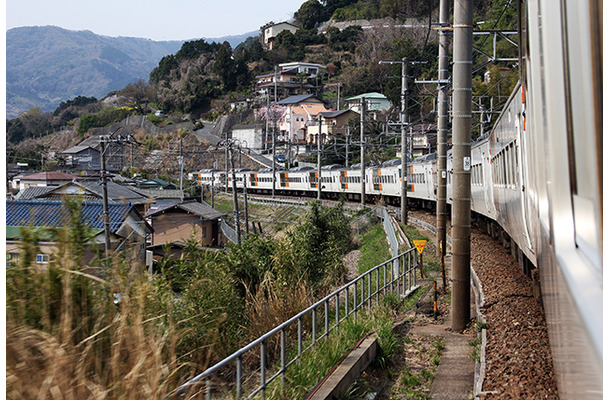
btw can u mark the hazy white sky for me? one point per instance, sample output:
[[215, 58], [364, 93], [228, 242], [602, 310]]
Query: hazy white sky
[[153, 19]]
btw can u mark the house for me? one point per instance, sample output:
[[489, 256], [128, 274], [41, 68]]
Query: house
[[239, 105], [334, 123], [424, 138], [47, 178], [127, 229], [86, 190], [286, 83], [309, 70], [82, 157], [375, 103], [300, 110], [251, 136], [175, 224], [270, 32]]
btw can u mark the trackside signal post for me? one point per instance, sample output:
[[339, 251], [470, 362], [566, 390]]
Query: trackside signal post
[[462, 122]]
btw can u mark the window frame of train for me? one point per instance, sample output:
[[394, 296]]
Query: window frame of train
[[585, 170]]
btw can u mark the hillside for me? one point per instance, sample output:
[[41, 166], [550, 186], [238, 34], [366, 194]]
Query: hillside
[[47, 64]]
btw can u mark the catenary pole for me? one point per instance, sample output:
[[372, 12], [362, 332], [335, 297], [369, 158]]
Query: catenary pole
[[462, 123], [443, 123], [246, 203], [362, 152], [234, 185], [320, 157], [403, 145]]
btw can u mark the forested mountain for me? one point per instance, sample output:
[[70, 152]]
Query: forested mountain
[[199, 78], [47, 64]]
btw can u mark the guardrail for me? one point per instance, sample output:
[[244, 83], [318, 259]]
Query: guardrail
[[228, 231], [303, 331]]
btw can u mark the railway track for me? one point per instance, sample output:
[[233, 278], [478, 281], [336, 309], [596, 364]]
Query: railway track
[[519, 363]]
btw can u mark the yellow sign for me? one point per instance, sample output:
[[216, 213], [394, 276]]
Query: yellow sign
[[420, 244]]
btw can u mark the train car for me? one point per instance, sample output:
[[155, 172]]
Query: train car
[[422, 181], [297, 181], [482, 193], [561, 148], [385, 181]]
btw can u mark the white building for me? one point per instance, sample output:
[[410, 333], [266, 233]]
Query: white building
[[251, 136], [271, 31], [312, 70]]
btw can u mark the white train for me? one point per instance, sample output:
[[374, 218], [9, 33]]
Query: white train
[[537, 175]]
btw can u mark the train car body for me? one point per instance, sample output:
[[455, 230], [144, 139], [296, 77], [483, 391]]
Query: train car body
[[561, 113]]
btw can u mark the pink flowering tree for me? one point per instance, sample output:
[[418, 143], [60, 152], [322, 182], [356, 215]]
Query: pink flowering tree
[[272, 113]]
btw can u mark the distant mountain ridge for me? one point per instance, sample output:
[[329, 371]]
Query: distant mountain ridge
[[47, 64]]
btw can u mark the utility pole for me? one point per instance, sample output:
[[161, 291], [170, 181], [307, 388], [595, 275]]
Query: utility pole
[[181, 170], [319, 158], [362, 167], [227, 169], [403, 145], [462, 123], [246, 202], [105, 200], [347, 148], [235, 202], [442, 129], [404, 137], [212, 191], [338, 96], [104, 178]]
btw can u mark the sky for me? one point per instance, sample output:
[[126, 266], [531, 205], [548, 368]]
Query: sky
[[152, 19]]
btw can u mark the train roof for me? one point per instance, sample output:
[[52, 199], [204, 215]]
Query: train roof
[[331, 167], [366, 165], [389, 163], [297, 169], [424, 159]]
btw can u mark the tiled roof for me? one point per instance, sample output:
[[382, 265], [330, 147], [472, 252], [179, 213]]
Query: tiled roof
[[48, 176], [54, 213], [296, 99], [115, 191], [77, 149], [334, 114], [33, 192], [159, 193], [201, 209]]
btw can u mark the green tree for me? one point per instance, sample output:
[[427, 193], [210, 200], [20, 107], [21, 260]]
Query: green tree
[[310, 13], [224, 66]]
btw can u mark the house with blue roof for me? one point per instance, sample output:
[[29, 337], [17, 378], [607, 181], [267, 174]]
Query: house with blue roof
[[128, 228]]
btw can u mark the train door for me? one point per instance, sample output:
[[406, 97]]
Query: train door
[[524, 183]]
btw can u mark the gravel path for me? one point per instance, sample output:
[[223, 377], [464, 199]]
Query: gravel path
[[518, 354]]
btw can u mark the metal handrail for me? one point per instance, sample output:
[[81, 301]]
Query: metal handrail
[[400, 283]]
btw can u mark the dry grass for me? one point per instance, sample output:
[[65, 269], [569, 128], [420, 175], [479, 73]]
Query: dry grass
[[125, 355]]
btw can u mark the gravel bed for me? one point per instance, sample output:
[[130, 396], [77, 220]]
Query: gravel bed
[[518, 353]]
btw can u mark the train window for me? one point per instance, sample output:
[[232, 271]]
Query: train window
[[583, 81], [523, 41]]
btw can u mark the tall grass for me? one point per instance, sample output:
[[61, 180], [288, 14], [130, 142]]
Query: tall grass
[[375, 250], [87, 331]]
